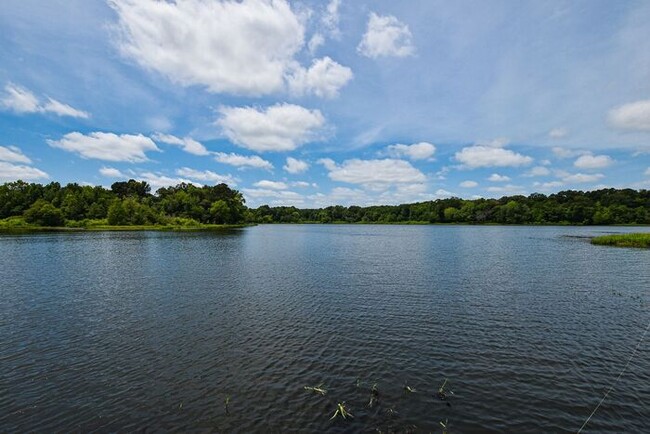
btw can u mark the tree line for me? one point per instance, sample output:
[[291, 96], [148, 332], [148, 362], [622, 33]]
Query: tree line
[[132, 203], [600, 207], [125, 203]]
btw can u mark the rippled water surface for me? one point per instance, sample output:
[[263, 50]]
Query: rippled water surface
[[153, 331]]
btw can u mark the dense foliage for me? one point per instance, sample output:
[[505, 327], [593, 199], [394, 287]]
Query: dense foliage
[[132, 203], [607, 206], [126, 203]]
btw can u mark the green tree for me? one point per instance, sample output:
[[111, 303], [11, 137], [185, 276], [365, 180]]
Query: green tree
[[43, 213]]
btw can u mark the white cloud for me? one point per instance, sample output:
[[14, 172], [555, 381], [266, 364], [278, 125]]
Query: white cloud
[[507, 189], [632, 116], [107, 146], [13, 172], [271, 185], [273, 197], [589, 161], [331, 17], [206, 176], [386, 36], [495, 177], [158, 180], [558, 133], [237, 47], [579, 178], [13, 154], [242, 160], [328, 163], [324, 78], [469, 184], [281, 127], [538, 171], [441, 193], [301, 184], [295, 166], [548, 185], [560, 152], [21, 100], [61, 109], [245, 48], [374, 173], [647, 172], [499, 142], [490, 156], [417, 151], [315, 42], [111, 172], [188, 145]]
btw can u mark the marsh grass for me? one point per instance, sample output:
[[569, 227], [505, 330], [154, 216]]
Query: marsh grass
[[640, 240]]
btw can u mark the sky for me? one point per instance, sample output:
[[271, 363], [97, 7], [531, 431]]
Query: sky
[[316, 103]]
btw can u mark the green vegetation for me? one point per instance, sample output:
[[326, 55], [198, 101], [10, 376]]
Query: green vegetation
[[131, 205], [127, 205], [601, 207], [623, 240]]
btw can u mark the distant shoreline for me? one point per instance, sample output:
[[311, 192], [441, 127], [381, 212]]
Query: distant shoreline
[[215, 227]]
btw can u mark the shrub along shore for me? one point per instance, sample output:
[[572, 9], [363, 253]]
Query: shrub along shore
[[131, 205]]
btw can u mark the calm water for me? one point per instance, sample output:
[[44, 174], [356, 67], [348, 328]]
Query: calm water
[[152, 331]]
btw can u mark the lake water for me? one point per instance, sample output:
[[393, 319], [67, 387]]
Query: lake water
[[151, 331]]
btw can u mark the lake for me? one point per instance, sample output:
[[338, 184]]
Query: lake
[[154, 331]]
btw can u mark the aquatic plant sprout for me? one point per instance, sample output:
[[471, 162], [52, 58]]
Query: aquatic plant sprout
[[316, 389], [341, 411]]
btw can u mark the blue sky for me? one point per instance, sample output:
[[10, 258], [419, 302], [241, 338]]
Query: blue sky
[[318, 103]]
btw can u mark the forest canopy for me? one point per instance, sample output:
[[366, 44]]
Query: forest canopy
[[131, 202]]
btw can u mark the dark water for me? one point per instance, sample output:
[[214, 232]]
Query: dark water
[[152, 331]]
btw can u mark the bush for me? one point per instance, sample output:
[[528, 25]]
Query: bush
[[43, 213]]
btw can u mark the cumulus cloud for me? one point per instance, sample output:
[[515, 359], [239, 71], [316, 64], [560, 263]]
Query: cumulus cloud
[[273, 197], [206, 176], [507, 189], [490, 156], [331, 17], [13, 172], [417, 151], [560, 152], [315, 42], [469, 184], [281, 127], [13, 154], [107, 146], [548, 185], [187, 144], [371, 173], [240, 47], [271, 185], [589, 161], [386, 36], [538, 171], [495, 177], [295, 166], [237, 47], [20, 100], [324, 78], [634, 116], [159, 180], [111, 172], [242, 160], [579, 178]]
